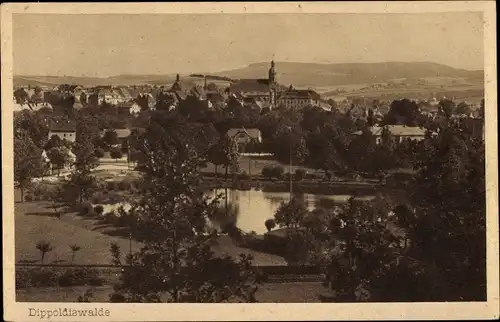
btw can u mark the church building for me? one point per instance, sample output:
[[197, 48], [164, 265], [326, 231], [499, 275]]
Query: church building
[[263, 90], [268, 92]]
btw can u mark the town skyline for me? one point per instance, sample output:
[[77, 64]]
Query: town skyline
[[70, 45]]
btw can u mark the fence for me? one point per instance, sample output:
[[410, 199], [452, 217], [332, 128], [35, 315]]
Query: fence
[[269, 274]]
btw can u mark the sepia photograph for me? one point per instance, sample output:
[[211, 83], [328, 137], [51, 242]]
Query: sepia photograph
[[242, 153]]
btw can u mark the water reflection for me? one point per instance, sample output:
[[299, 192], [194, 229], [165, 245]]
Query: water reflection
[[256, 206]]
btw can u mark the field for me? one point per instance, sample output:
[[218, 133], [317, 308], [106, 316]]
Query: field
[[35, 221]]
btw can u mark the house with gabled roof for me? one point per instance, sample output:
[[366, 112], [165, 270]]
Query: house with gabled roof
[[64, 130], [243, 137]]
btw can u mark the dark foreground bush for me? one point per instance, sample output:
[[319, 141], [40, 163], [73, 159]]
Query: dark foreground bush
[[50, 277], [98, 210], [124, 185], [80, 276]]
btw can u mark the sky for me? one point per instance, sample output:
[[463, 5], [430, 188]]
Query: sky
[[116, 44]]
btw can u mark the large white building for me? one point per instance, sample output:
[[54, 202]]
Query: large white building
[[64, 130], [298, 98], [398, 132]]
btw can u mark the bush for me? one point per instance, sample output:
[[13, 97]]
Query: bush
[[86, 209], [267, 172], [278, 171], [124, 185], [80, 276], [270, 224], [28, 198], [50, 277], [116, 153], [98, 210], [300, 174], [98, 197], [38, 277], [99, 153], [111, 186]]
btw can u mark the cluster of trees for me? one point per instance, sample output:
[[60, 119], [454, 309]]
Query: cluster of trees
[[31, 139], [177, 263], [425, 245]]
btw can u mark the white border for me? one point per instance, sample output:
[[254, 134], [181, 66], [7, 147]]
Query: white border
[[175, 312]]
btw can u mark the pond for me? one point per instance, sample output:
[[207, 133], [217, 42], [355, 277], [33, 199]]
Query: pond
[[255, 206]]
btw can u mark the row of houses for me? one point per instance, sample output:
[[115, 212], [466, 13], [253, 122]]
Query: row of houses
[[67, 131]]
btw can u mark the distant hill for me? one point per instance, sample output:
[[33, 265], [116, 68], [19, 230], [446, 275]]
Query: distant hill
[[92, 81], [298, 74], [311, 74]]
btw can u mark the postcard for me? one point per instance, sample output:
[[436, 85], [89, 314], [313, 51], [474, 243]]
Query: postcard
[[249, 161]]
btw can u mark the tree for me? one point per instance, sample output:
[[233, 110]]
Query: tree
[[116, 153], [267, 172], [402, 112], [176, 260], [277, 171], [81, 180], [83, 98], [21, 96], [58, 197], [110, 138], [226, 218], [300, 174], [99, 153], [463, 108], [27, 161], [54, 142], [32, 124], [449, 200], [270, 224], [360, 151], [290, 214], [289, 145], [44, 247], [59, 157], [447, 107], [229, 153], [74, 249]]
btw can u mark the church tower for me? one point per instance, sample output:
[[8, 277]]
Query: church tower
[[272, 84], [272, 74]]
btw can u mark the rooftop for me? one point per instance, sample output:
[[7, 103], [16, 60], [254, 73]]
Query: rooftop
[[292, 93], [62, 127], [253, 133], [250, 85]]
